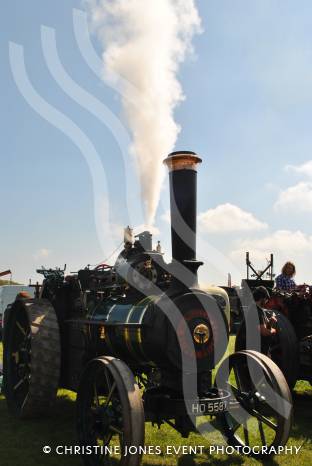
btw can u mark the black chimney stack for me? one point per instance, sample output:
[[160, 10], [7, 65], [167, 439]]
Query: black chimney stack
[[183, 192]]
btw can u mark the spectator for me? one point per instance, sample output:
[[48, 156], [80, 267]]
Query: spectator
[[285, 281]]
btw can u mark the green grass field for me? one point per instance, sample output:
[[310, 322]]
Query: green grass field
[[21, 442]]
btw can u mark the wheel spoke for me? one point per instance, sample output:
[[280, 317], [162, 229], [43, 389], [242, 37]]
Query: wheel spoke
[[116, 430], [234, 423], [106, 459], [233, 389], [107, 439], [19, 383], [263, 419], [262, 435], [96, 396], [107, 380], [237, 378], [246, 433], [109, 396], [21, 328]]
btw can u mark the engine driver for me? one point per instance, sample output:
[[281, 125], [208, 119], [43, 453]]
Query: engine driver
[[266, 321]]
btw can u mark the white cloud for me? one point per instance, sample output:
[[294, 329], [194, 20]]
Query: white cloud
[[281, 240], [297, 197], [42, 253], [285, 245], [228, 218], [304, 169]]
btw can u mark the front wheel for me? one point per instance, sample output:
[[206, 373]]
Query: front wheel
[[259, 416], [110, 416]]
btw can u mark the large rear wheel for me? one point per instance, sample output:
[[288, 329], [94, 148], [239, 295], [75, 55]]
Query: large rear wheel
[[282, 348], [31, 358]]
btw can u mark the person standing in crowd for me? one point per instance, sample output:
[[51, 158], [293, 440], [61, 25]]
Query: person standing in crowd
[[285, 281]]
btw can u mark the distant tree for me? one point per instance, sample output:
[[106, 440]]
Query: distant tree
[[8, 282]]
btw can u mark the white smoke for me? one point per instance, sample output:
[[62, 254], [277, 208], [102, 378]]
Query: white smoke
[[144, 42]]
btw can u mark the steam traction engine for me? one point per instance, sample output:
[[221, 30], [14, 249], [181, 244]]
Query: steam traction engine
[[138, 342], [291, 347]]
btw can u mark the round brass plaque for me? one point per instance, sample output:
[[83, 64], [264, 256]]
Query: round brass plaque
[[201, 334]]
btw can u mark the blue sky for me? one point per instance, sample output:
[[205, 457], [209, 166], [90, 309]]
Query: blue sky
[[247, 112]]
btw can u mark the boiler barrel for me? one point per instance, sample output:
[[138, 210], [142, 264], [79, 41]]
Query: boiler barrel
[[142, 333], [117, 329]]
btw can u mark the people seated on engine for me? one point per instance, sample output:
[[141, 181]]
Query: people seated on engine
[[285, 281], [258, 319], [266, 319]]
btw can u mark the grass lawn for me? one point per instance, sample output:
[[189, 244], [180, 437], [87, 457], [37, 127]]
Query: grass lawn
[[21, 442]]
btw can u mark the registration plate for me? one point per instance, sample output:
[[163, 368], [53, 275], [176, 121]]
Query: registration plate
[[202, 407]]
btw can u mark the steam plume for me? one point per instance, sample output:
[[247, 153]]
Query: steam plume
[[144, 42]]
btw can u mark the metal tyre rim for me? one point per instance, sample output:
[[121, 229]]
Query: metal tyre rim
[[110, 413], [284, 349], [260, 411], [31, 358]]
